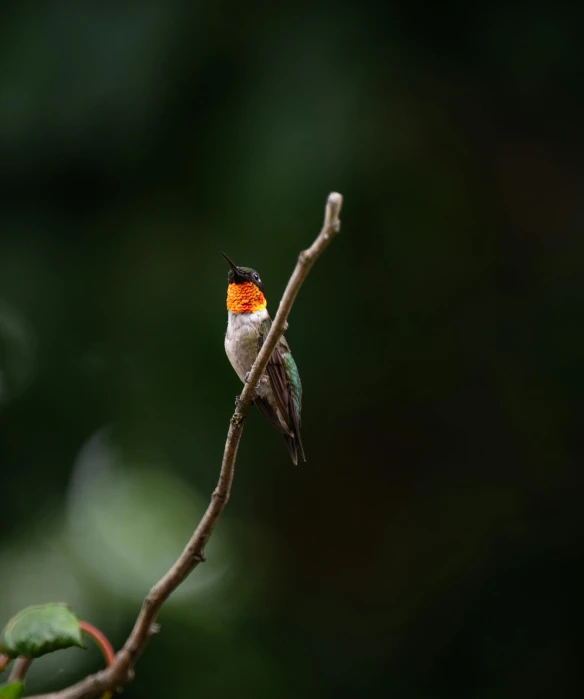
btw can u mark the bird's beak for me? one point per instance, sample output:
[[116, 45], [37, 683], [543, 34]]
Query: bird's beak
[[233, 267]]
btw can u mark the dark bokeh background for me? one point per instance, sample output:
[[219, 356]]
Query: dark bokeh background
[[431, 545]]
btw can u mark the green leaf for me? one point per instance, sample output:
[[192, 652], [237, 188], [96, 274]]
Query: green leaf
[[13, 690], [41, 629]]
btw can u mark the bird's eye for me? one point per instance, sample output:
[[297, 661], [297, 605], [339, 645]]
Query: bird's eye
[[256, 276]]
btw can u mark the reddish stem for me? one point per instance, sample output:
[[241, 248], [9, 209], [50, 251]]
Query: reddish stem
[[104, 645], [19, 669], [4, 661]]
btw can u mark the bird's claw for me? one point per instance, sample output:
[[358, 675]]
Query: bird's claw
[[246, 379]]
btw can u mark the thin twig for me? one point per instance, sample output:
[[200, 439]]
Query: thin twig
[[122, 670], [19, 669]]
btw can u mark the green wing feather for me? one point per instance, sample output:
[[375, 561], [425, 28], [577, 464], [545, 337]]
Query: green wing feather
[[287, 387]]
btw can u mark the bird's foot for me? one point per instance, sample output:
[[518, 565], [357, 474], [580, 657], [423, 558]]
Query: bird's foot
[[246, 379]]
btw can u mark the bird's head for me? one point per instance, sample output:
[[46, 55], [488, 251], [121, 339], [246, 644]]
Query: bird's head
[[245, 291]]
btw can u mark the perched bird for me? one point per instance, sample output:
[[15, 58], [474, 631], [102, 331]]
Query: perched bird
[[278, 393]]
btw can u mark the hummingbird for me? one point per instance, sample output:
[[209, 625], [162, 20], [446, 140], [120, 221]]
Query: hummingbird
[[278, 393]]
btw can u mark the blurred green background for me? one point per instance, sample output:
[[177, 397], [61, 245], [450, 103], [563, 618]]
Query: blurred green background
[[431, 545]]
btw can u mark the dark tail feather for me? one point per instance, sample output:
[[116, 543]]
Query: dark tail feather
[[296, 430], [293, 443], [299, 441]]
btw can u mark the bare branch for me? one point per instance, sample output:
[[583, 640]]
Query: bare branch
[[122, 670]]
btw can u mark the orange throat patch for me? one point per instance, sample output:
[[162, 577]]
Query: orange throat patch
[[245, 298]]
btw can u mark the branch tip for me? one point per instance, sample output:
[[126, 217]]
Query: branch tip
[[333, 210]]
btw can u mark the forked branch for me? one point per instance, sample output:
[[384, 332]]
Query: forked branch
[[122, 670]]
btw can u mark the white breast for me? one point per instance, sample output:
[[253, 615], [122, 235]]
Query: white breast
[[241, 339]]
